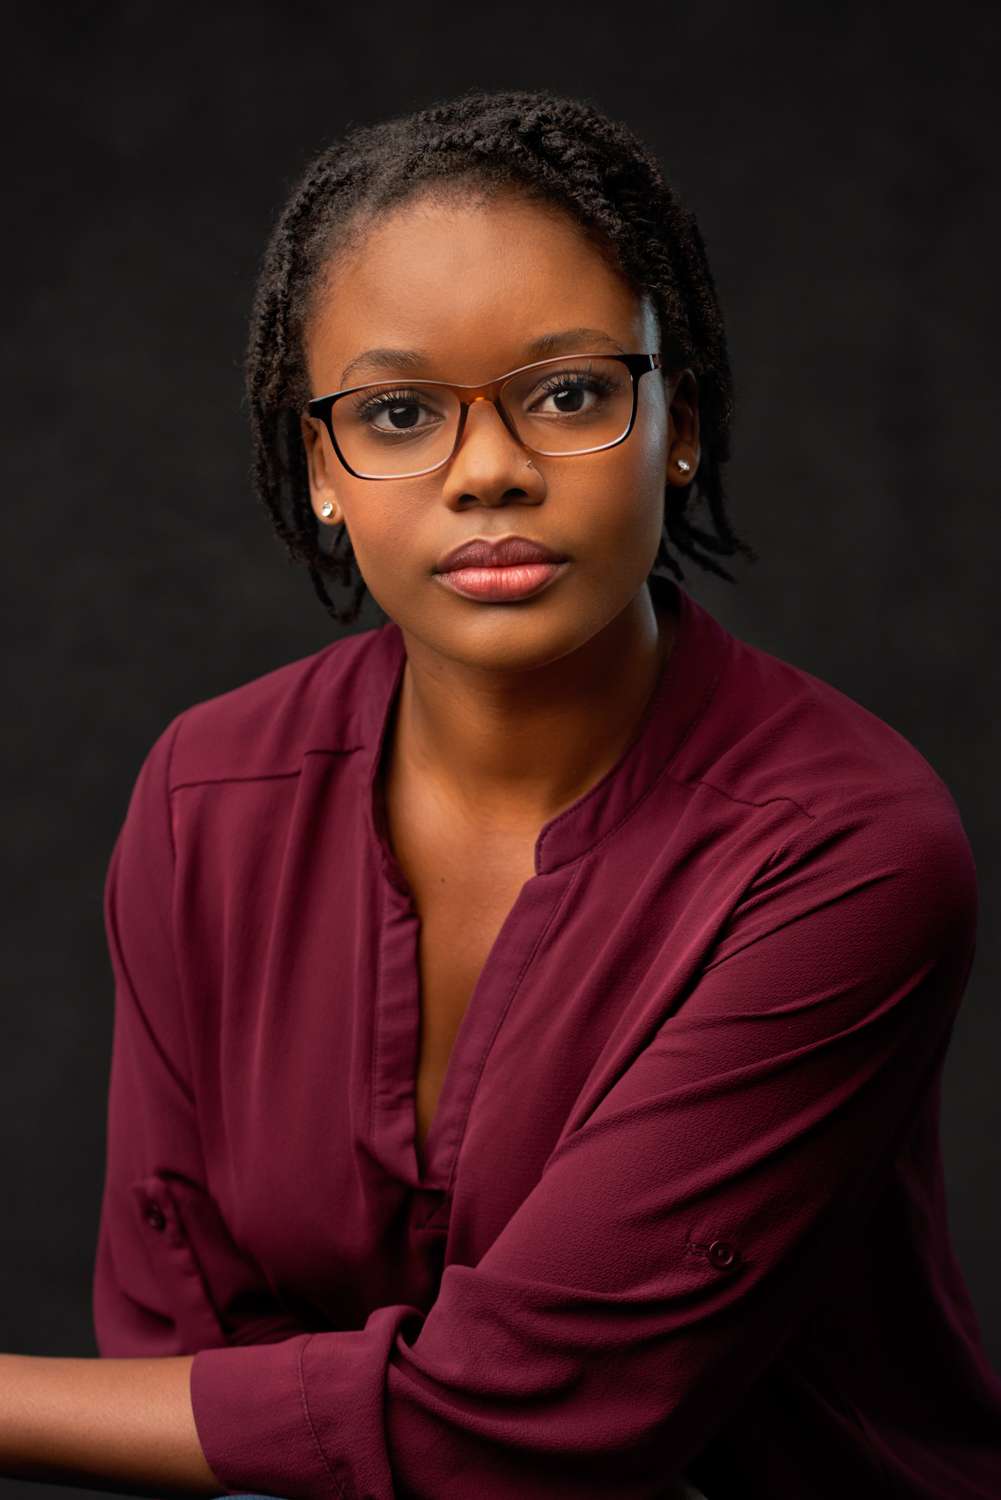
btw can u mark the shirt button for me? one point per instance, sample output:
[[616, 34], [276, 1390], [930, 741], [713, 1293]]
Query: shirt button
[[724, 1255], [154, 1215]]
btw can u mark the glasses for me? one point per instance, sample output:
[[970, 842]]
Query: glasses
[[559, 407]]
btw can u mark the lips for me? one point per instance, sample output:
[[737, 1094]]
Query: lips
[[507, 552]]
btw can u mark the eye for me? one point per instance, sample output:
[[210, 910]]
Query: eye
[[579, 393], [395, 411]]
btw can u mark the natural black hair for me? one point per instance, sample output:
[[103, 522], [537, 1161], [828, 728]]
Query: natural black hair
[[559, 150]]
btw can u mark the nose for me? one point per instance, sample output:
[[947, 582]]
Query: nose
[[489, 465], [488, 429]]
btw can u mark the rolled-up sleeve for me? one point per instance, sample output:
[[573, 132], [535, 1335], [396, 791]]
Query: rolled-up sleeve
[[679, 1232], [167, 1278]]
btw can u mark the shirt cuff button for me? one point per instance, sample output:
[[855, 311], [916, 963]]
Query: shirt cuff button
[[724, 1255], [154, 1215]]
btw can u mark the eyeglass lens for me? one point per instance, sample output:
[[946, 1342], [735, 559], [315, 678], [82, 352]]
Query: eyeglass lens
[[393, 429]]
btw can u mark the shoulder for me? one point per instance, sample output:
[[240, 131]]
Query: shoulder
[[264, 727], [775, 731], [845, 797]]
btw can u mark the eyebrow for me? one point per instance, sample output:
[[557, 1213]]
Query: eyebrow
[[546, 344]]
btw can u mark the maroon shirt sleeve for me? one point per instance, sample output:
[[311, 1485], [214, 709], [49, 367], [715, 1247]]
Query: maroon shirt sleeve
[[678, 1235], [161, 1240]]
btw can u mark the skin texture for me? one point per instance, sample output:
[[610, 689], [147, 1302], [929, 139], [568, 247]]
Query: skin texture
[[508, 712], [124, 1425]]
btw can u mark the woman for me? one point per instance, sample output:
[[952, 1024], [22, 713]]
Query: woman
[[530, 1013]]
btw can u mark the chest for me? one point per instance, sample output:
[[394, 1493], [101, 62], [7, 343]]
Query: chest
[[464, 884]]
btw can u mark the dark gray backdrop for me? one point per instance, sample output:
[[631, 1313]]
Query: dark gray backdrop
[[841, 166]]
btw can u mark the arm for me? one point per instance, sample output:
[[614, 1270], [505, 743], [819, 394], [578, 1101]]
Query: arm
[[168, 1277], [115, 1424], [682, 1228], [106, 1424]]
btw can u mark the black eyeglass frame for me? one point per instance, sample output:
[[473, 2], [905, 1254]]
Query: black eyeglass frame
[[320, 407]]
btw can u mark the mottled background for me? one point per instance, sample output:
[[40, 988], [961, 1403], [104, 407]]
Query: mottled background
[[841, 162]]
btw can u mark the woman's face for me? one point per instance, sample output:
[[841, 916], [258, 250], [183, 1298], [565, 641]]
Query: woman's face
[[473, 283]]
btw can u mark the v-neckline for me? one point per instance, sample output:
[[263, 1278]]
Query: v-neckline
[[400, 1009], [397, 1027]]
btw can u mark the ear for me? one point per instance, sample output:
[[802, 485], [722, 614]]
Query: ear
[[320, 466], [683, 429]]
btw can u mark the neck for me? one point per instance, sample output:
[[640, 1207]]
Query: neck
[[512, 749]]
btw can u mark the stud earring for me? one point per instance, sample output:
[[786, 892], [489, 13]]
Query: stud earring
[[326, 509], [683, 465]]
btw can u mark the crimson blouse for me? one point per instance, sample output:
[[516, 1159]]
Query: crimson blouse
[[683, 1209]]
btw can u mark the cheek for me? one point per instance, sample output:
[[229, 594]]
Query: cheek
[[646, 461], [623, 499], [649, 451], [384, 523], [641, 459]]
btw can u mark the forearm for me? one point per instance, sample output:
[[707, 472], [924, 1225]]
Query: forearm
[[124, 1425]]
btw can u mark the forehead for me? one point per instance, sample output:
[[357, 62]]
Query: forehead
[[470, 282]]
